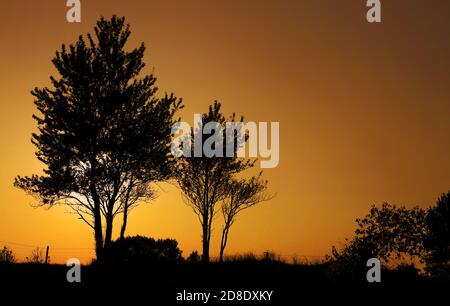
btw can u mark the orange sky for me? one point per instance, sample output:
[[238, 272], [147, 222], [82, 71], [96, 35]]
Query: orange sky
[[363, 109]]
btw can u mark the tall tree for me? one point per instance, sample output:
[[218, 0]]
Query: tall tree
[[103, 134], [242, 194], [203, 179]]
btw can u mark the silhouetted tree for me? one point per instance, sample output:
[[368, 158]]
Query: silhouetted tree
[[388, 233], [392, 231], [7, 255], [203, 179], [103, 134], [242, 194], [437, 241]]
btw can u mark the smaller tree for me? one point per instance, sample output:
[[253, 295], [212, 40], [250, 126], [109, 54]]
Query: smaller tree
[[241, 194], [7, 255], [203, 179]]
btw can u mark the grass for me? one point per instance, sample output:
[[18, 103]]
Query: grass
[[161, 281]]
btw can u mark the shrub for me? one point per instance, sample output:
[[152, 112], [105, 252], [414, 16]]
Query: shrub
[[194, 257], [437, 241], [36, 256], [7, 255], [139, 249]]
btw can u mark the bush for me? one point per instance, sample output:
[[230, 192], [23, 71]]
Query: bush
[[139, 249], [36, 256], [349, 264], [437, 241], [194, 257], [7, 255], [394, 235]]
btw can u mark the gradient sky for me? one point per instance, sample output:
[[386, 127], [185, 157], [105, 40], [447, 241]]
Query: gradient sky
[[363, 109]]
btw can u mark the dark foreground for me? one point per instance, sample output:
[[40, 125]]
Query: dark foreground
[[245, 283]]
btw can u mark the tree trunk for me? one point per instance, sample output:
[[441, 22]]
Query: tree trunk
[[206, 216], [125, 211], [223, 241], [205, 239], [205, 254], [108, 231], [98, 232], [124, 223], [222, 246], [109, 221]]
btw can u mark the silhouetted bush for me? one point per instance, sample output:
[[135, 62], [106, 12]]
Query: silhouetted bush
[[437, 240], [349, 264], [393, 235], [194, 257], [138, 249], [408, 270], [37, 256], [7, 255]]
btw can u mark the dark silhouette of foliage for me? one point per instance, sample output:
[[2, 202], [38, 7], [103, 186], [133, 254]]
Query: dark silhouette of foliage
[[242, 194], [103, 134], [437, 241], [203, 180], [391, 234], [140, 250], [349, 264], [7, 255], [393, 231], [37, 256], [194, 257]]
